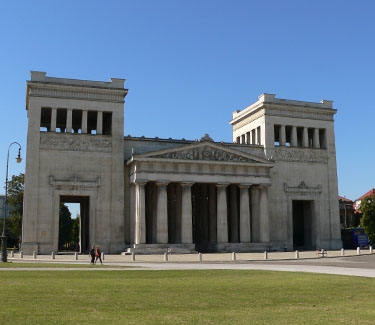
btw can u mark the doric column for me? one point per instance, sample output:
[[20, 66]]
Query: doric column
[[53, 119], [162, 214], [222, 214], [255, 215], [187, 215], [140, 213], [282, 135], [264, 215], [99, 123], [245, 233], [305, 138], [69, 121], [84, 122], [294, 136], [132, 212], [316, 138]]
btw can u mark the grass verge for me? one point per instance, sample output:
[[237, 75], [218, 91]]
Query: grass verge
[[184, 297]]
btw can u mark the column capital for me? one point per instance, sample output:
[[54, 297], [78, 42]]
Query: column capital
[[140, 183], [162, 183], [244, 185], [222, 185], [187, 184]]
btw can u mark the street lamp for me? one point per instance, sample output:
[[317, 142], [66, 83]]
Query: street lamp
[[4, 255]]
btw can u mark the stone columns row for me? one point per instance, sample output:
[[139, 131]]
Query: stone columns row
[[251, 137], [187, 223], [305, 137], [69, 121]]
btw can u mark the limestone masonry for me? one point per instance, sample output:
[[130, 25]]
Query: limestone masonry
[[273, 188]]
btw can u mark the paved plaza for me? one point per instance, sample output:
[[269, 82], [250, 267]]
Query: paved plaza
[[349, 262]]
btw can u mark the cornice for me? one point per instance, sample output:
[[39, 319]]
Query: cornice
[[39, 89]]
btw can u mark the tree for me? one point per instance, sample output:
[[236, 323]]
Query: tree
[[65, 226], [75, 229], [368, 216], [15, 205]]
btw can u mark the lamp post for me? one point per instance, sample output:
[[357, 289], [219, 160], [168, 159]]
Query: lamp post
[[4, 255]]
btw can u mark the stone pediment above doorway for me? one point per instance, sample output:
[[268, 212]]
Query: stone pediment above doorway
[[203, 150]]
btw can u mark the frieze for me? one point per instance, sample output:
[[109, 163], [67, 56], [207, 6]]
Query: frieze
[[204, 153], [70, 92], [300, 155], [307, 113], [67, 142], [303, 189]]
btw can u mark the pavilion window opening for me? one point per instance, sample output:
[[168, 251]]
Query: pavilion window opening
[[107, 123], [77, 121], [45, 119], [276, 131], [322, 139], [299, 136], [259, 135], [253, 136], [61, 118], [92, 118], [310, 134], [288, 135]]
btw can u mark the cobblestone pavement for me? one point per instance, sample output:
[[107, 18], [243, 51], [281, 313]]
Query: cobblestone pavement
[[349, 262]]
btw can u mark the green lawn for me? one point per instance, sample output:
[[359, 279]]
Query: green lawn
[[184, 297]]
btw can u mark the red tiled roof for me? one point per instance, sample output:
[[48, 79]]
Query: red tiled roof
[[369, 193]]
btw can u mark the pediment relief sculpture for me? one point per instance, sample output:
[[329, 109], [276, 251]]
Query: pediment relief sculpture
[[204, 153]]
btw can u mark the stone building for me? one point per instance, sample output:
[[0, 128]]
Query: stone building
[[273, 188]]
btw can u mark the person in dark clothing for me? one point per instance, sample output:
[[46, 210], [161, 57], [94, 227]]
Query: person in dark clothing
[[92, 254]]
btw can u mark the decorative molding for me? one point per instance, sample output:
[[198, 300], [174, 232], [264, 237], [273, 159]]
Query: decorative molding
[[204, 153], [206, 137], [303, 189], [61, 91], [74, 183], [300, 155], [76, 142], [247, 119], [302, 113]]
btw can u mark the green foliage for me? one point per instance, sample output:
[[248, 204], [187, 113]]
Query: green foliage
[[65, 226], [14, 226], [368, 216], [15, 203], [75, 230], [15, 194]]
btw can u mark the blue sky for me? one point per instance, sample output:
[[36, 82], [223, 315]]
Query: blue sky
[[189, 64]]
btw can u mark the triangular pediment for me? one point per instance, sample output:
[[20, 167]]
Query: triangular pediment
[[202, 151]]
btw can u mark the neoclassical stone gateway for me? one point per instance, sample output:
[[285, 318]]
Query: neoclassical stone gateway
[[273, 188]]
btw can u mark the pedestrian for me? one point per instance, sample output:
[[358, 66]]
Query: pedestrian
[[98, 254], [92, 254]]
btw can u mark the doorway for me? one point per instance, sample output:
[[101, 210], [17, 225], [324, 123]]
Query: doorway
[[83, 244], [204, 208], [302, 225]]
